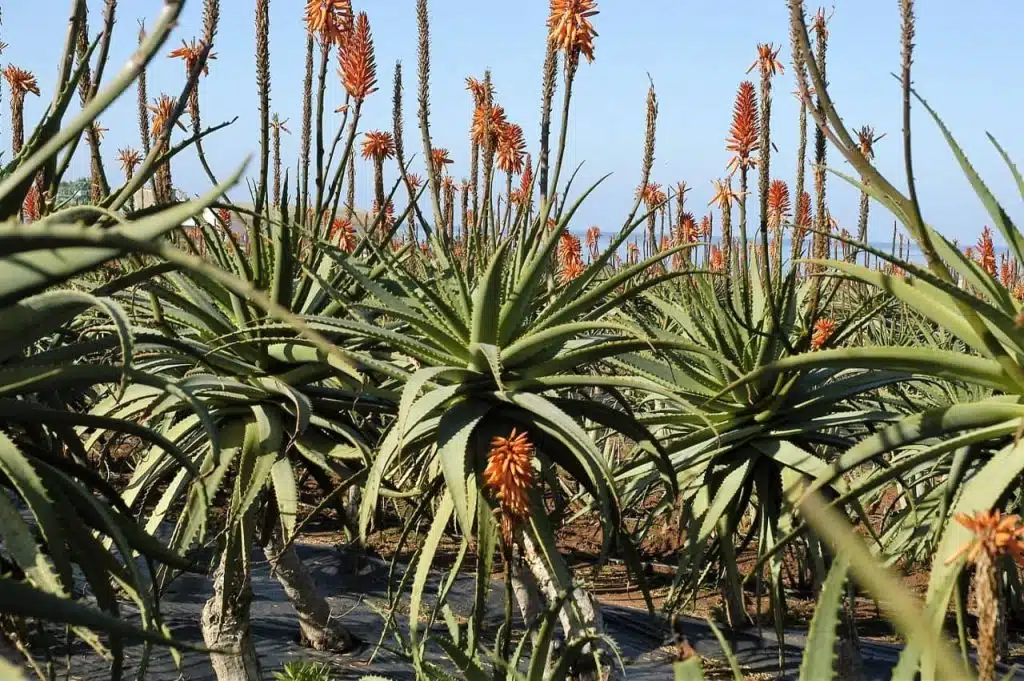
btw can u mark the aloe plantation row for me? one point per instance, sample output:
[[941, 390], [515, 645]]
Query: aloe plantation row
[[180, 375]]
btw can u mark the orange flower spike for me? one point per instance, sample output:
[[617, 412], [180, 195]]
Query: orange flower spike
[[994, 533], [378, 145], [745, 128], [570, 29], [509, 473], [345, 233], [389, 212], [441, 158], [190, 53], [823, 330], [724, 193], [705, 228], [717, 259], [511, 154], [330, 20], [21, 81], [162, 109], [487, 125], [651, 194], [414, 180], [526, 180], [224, 215], [358, 67], [481, 90], [778, 203], [687, 233], [571, 270], [803, 211], [768, 60], [129, 159], [30, 206], [986, 252]]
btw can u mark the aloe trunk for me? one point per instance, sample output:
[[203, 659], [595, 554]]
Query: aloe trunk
[[226, 624], [320, 629], [581, 611], [732, 586]]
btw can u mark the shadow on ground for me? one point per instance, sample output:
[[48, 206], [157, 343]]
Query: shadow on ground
[[361, 585]]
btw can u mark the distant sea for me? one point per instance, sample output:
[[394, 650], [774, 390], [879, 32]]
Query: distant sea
[[912, 251]]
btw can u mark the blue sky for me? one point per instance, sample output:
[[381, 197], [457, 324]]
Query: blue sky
[[695, 52]]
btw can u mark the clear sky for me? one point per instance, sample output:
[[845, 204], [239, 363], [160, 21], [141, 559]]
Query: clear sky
[[967, 65]]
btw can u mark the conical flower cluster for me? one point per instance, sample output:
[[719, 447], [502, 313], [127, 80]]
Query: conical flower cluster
[[509, 474]]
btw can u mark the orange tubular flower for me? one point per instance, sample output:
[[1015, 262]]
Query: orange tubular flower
[[803, 211], [593, 237], [358, 66], [994, 533], [378, 145], [767, 59], [706, 227], [389, 212], [724, 194], [1007, 276], [21, 81], [687, 232], [570, 270], [511, 149], [569, 247], [161, 108], [345, 234], [482, 91], [986, 252], [129, 159], [823, 330], [487, 125], [745, 129], [570, 29], [190, 52], [414, 180], [30, 206], [716, 259], [224, 215], [331, 20], [778, 203], [526, 180], [440, 158], [509, 475], [652, 195]]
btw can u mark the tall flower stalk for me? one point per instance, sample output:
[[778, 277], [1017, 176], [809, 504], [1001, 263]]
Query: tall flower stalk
[[129, 159], [724, 197], [162, 110], [866, 140], [142, 99], [21, 83], [305, 136], [277, 126], [820, 243], [743, 141], [378, 146], [995, 535], [570, 32], [768, 64]]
